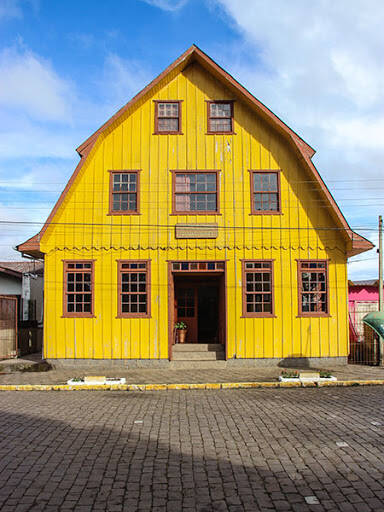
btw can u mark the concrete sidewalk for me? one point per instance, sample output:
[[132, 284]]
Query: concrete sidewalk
[[164, 376]]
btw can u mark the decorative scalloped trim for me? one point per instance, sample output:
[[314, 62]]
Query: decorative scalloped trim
[[201, 248]]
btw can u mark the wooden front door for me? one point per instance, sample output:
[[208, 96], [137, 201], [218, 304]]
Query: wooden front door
[[8, 327], [186, 309]]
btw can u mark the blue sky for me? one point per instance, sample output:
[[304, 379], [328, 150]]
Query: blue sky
[[65, 67]]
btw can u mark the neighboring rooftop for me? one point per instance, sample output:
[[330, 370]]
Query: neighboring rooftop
[[364, 282], [22, 267]]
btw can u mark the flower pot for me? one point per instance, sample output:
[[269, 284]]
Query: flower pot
[[182, 335]]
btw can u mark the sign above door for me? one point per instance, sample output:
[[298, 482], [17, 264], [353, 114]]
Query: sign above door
[[196, 230]]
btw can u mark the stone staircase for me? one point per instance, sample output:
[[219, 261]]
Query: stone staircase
[[198, 356]]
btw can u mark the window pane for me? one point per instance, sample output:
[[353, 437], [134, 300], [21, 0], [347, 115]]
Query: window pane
[[273, 204], [132, 206], [168, 109], [221, 125], [257, 201], [258, 287], [168, 125], [201, 182], [265, 202], [256, 181], [220, 110], [273, 182], [268, 182], [182, 182]]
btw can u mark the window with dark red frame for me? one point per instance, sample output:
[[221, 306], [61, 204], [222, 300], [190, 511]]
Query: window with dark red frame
[[265, 192], [167, 117], [313, 288], [78, 288], [195, 192], [220, 116], [124, 187], [133, 288], [257, 288]]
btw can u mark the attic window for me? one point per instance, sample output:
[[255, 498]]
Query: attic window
[[123, 195], [265, 192], [220, 117], [167, 117], [195, 193]]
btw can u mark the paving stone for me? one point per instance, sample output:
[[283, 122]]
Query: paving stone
[[235, 450]]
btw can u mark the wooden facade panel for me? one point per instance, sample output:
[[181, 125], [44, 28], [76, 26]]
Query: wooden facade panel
[[105, 336], [85, 230]]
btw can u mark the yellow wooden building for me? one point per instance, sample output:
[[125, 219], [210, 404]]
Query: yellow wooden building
[[194, 203]]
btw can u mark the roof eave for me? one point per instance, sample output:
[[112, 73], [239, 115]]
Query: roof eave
[[10, 272], [31, 247], [359, 244]]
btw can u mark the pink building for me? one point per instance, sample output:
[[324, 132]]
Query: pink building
[[363, 298]]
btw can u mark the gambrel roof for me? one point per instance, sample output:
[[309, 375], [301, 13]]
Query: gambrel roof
[[304, 151]]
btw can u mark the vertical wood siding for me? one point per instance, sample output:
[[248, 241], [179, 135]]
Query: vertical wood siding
[[83, 229]]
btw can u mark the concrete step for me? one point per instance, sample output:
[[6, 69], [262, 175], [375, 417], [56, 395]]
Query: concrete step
[[197, 365], [197, 356], [198, 347]]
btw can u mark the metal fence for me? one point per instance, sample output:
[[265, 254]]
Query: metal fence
[[364, 342]]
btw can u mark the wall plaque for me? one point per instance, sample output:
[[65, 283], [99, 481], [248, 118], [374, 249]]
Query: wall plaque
[[196, 230]]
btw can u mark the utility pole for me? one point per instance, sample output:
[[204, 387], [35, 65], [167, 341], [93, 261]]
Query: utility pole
[[381, 283]]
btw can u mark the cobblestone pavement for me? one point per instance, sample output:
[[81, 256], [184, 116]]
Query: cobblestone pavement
[[242, 450], [167, 376]]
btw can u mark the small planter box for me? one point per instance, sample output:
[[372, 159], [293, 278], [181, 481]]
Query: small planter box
[[88, 381], [307, 379]]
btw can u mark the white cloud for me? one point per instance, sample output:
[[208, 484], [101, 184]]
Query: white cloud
[[318, 65], [30, 85], [49, 175], [39, 133], [167, 5], [26, 139], [122, 79], [14, 232], [321, 63]]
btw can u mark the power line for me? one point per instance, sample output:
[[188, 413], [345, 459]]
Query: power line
[[356, 180], [172, 226]]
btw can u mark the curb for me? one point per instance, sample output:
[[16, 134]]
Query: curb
[[181, 386]]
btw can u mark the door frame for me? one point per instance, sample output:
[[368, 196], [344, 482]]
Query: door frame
[[197, 273], [13, 299]]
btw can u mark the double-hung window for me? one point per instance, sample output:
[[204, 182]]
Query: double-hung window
[[258, 288], [265, 192], [134, 298], [195, 193], [220, 117], [313, 287], [124, 192], [167, 117], [78, 288]]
